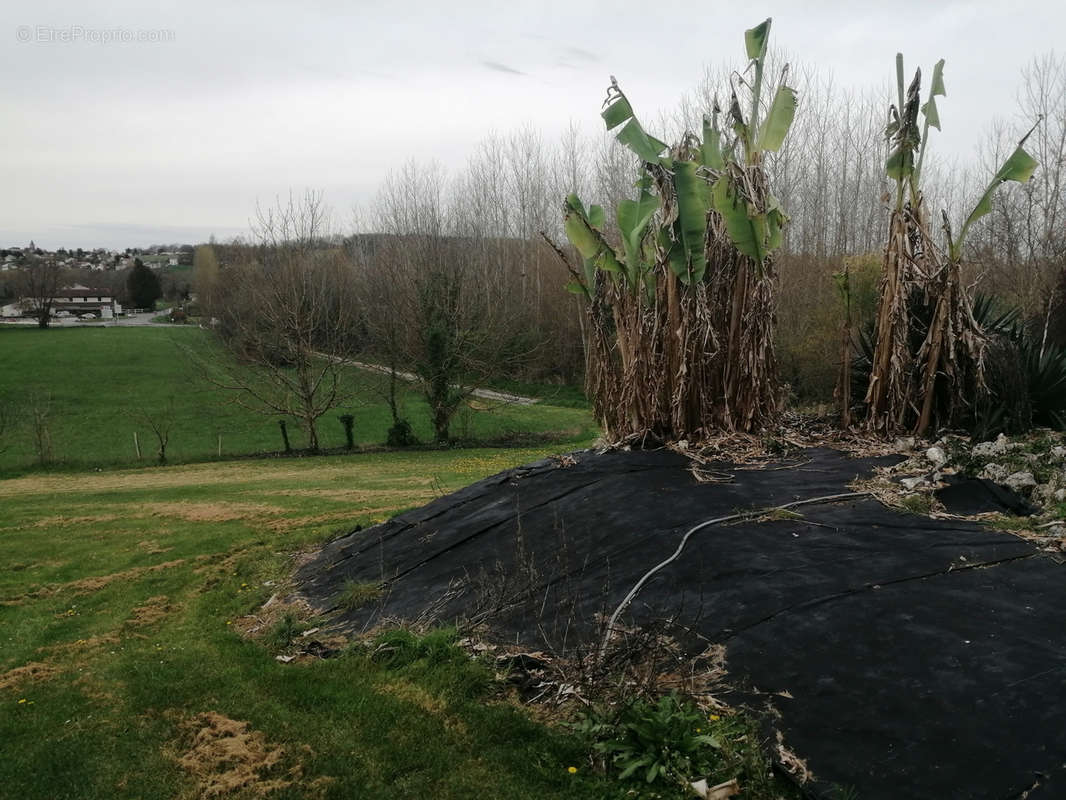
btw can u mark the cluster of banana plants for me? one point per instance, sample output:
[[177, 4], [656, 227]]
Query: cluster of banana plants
[[927, 363], [680, 290]]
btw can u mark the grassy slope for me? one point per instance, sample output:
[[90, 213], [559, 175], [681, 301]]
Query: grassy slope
[[106, 717], [96, 379], [125, 589]]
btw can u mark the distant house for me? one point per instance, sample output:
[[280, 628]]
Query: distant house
[[72, 301], [80, 300]]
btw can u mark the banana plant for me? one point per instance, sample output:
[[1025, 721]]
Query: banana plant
[[1018, 167], [937, 378], [904, 164], [667, 355], [693, 178]]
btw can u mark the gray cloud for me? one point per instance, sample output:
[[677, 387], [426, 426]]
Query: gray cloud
[[498, 67]]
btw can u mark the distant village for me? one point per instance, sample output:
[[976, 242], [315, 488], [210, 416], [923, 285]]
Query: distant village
[[90, 284], [99, 259]]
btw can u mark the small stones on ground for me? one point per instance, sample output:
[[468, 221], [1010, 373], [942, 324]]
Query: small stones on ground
[[904, 444], [911, 483]]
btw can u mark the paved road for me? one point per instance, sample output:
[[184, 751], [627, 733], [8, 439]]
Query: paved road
[[130, 320]]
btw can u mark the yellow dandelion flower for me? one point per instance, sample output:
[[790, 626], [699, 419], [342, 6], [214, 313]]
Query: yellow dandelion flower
[[23, 700], [715, 717], [572, 770]]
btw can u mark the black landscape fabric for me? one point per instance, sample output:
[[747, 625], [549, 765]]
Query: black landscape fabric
[[906, 656]]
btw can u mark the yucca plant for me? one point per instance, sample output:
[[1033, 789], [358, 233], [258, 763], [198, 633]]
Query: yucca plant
[[681, 302], [927, 362]]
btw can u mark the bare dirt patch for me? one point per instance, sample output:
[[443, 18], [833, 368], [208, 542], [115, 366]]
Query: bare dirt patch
[[67, 522], [33, 672], [252, 471], [80, 645], [95, 583], [153, 547], [226, 756], [212, 512], [358, 495], [275, 609], [290, 523], [153, 611], [91, 584]]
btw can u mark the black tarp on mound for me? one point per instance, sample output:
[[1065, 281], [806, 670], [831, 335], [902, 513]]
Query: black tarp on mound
[[924, 658]]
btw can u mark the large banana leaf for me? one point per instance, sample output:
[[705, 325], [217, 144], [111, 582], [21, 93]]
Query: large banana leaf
[[712, 146], [596, 217], [779, 120], [900, 163], [1019, 167], [693, 202], [632, 135], [590, 243], [755, 39], [741, 228], [937, 85], [905, 136], [936, 89], [633, 217]]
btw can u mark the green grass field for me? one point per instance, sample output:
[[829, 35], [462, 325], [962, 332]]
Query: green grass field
[[93, 384], [119, 615], [137, 655], [137, 661]]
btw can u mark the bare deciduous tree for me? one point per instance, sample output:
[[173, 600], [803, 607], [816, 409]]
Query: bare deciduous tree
[[160, 422], [288, 316], [38, 283], [436, 295]]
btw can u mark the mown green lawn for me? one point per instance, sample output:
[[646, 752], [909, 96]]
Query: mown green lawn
[[94, 385], [122, 662]]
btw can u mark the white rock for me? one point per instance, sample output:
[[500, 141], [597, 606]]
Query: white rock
[[994, 472], [1000, 446], [1059, 453], [1043, 494], [904, 444], [937, 457], [1060, 495], [1022, 482], [910, 483]]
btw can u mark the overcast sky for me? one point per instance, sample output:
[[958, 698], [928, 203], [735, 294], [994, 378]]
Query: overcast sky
[[125, 144]]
